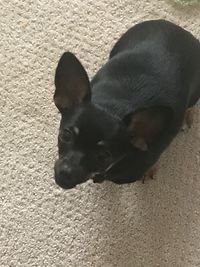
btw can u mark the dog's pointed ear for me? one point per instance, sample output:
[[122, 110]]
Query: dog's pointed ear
[[71, 82], [146, 125]]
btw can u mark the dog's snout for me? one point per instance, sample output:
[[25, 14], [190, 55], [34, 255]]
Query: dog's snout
[[68, 172], [63, 175], [64, 172]]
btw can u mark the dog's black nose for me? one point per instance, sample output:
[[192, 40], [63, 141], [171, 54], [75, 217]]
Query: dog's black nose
[[64, 171], [63, 177]]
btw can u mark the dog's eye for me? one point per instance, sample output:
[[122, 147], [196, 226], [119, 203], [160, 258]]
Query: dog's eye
[[107, 153], [66, 136], [104, 154], [104, 157]]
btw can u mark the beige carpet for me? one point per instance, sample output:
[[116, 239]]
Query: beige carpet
[[155, 224]]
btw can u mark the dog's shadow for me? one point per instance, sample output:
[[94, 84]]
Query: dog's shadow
[[155, 224]]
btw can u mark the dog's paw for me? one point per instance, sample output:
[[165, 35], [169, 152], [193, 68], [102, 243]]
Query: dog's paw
[[188, 119], [150, 173]]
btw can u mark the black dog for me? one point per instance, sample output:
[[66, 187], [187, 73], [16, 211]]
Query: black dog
[[116, 127]]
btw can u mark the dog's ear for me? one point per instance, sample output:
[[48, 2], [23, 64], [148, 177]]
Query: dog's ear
[[146, 125], [71, 81]]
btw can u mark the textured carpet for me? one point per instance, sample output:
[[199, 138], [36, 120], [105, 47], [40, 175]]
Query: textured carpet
[[155, 224]]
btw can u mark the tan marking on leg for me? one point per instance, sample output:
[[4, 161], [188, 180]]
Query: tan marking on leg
[[189, 117], [150, 173]]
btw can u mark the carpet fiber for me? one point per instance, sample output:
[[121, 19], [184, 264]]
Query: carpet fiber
[[41, 225]]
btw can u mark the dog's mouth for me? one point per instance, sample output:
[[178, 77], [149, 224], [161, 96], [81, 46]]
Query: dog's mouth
[[99, 177]]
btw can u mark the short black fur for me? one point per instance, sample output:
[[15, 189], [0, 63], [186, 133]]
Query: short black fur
[[108, 129]]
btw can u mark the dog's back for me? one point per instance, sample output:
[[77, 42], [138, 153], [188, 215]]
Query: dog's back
[[168, 41], [155, 54]]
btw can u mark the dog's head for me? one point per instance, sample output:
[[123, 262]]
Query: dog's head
[[90, 140]]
